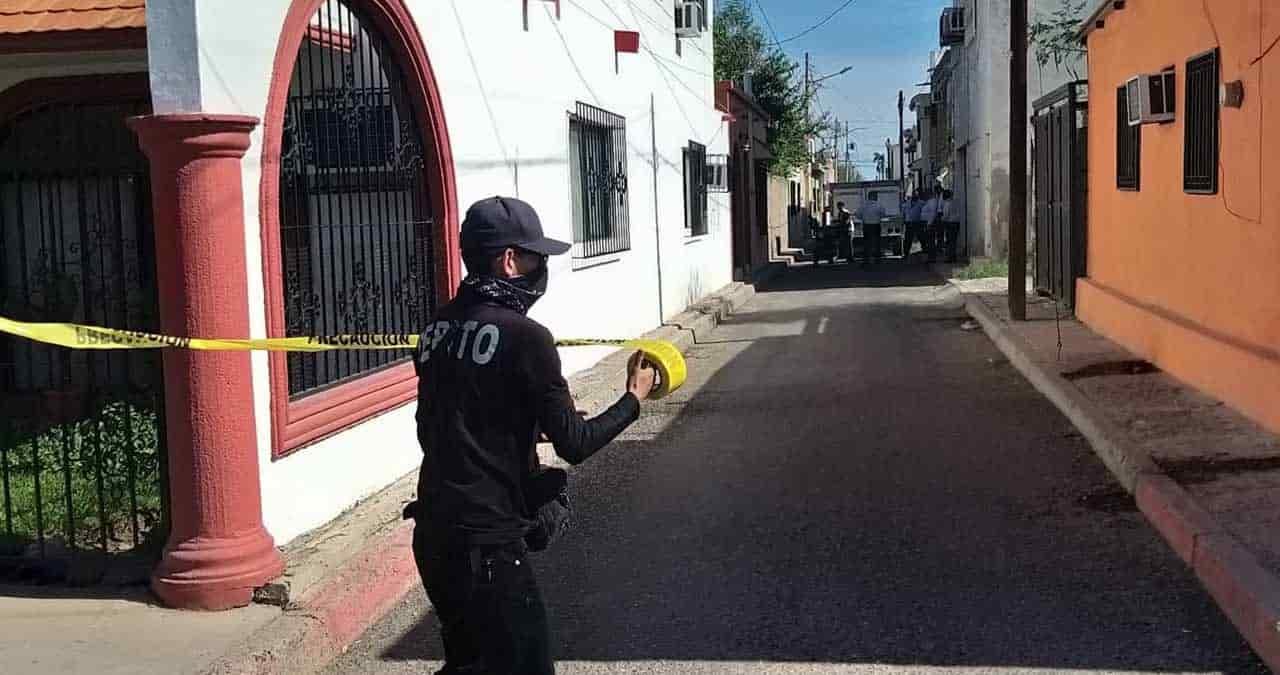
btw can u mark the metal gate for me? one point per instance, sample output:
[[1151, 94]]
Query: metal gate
[[82, 443], [1060, 157]]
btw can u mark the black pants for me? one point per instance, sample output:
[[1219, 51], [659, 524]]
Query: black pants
[[950, 233], [492, 619], [913, 232], [871, 242], [932, 237]]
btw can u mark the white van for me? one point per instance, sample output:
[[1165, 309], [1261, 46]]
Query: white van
[[889, 194]]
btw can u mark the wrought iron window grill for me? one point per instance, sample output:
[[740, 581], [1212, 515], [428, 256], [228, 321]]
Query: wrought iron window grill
[[695, 189], [356, 232], [718, 173], [1128, 145], [82, 439], [1200, 128], [598, 182]]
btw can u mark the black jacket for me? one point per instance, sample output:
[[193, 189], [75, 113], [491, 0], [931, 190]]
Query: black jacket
[[488, 380]]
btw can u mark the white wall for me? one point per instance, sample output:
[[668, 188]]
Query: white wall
[[979, 99], [506, 95]]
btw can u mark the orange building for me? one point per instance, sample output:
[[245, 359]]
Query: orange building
[[1184, 213]]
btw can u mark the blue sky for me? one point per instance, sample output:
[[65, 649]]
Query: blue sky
[[886, 41]]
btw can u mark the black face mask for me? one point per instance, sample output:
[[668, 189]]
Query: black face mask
[[534, 283]]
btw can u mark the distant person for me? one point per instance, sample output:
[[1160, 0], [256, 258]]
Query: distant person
[[929, 213], [843, 221], [843, 216], [870, 214], [950, 220], [911, 215]]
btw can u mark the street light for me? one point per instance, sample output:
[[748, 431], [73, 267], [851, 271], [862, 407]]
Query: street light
[[842, 71]]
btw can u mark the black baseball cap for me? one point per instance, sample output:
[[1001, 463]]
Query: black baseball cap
[[497, 223]]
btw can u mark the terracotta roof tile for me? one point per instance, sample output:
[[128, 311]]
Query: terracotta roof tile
[[45, 16]]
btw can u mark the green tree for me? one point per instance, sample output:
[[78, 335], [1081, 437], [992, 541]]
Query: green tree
[[1053, 38], [741, 48]]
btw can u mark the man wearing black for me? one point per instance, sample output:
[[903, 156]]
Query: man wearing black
[[489, 382]]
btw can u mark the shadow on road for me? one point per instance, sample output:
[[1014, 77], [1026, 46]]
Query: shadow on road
[[879, 489], [886, 274]]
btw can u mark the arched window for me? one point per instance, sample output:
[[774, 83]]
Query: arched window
[[357, 247]]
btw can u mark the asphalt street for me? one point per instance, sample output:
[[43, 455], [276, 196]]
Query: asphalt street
[[853, 480]]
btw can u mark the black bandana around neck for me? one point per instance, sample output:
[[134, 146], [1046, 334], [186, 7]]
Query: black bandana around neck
[[501, 292]]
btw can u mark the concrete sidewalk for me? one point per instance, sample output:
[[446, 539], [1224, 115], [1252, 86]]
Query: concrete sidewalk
[[339, 579], [1207, 478]]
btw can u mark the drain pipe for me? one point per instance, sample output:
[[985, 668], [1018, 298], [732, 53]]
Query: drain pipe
[[657, 229]]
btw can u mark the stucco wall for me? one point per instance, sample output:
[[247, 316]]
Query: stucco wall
[[978, 99], [1190, 281], [779, 198], [506, 94]]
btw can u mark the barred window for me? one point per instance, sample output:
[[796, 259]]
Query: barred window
[[598, 176], [1128, 145], [695, 189], [1200, 128], [355, 221]]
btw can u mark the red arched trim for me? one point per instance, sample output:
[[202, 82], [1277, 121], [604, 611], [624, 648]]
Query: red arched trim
[[297, 423], [28, 94]]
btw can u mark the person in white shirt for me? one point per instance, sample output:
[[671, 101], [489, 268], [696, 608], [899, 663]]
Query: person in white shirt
[[929, 217], [950, 226], [870, 213]]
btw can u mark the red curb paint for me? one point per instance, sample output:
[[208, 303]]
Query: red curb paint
[[1174, 514], [1247, 593], [333, 613], [363, 589]]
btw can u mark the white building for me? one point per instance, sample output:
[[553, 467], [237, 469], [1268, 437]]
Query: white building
[[971, 80], [370, 126]]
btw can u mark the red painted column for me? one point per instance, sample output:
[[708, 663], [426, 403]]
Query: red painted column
[[218, 550]]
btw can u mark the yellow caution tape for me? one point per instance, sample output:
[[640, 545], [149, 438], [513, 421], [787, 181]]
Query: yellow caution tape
[[664, 356]]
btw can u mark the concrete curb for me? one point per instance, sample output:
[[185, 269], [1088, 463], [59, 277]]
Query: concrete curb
[[337, 609], [1106, 439], [319, 626], [1246, 592]]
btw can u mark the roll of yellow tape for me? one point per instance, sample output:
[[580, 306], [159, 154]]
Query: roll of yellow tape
[[669, 362]]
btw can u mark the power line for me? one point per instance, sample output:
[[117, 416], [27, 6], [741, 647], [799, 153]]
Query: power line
[[767, 22], [816, 26], [673, 62]]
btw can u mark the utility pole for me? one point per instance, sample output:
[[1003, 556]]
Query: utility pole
[[806, 87], [809, 168], [1018, 160], [902, 166], [847, 159]]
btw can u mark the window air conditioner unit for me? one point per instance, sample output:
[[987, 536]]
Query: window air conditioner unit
[[1151, 98], [689, 19], [951, 27]]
